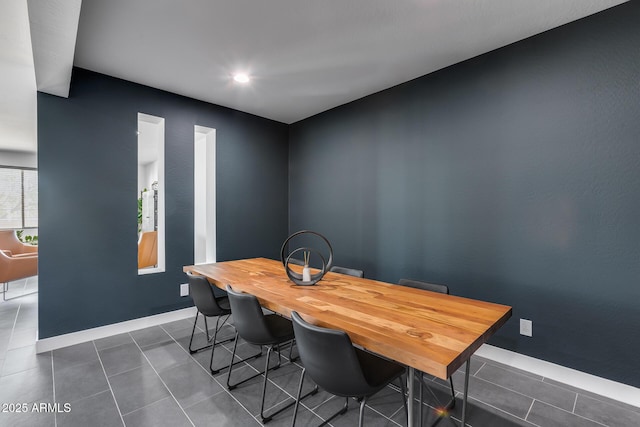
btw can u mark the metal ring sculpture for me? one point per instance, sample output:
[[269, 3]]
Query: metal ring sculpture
[[297, 277]]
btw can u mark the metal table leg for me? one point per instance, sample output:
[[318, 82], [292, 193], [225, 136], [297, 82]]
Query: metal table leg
[[410, 403], [411, 394], [466, 392]]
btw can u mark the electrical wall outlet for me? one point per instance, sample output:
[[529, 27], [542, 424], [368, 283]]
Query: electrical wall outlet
[[184, 289], [526, 327]]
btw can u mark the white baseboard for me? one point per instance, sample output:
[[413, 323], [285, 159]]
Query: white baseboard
[[602, 386], [53, 343]]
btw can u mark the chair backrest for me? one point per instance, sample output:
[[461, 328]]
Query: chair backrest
[[248, 317], [17, 267], [203, 296], [9, 241], [347, 271], [433, 287], [329, 358]]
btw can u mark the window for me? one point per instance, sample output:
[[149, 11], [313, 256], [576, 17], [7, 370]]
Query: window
[[18, 198]]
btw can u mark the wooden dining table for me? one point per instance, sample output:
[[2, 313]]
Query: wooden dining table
[[427, 331]]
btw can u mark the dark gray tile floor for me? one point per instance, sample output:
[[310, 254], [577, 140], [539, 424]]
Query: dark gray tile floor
[[148, 378]]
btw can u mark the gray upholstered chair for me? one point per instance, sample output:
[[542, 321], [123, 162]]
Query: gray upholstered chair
[[208, 305], [17, 260], [348, 271], [260, 329], [333, 363]]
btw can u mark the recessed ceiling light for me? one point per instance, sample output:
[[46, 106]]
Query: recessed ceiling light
[[241, 78]]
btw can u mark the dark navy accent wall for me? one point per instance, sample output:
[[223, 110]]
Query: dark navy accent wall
[[513, 177], [87, 149]]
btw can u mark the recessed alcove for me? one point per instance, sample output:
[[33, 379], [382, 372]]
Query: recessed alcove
[[204, 188], [151, 185]]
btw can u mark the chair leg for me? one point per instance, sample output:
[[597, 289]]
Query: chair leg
[[342, 411], [193, 331], [264, 382], [218, 327], [291, 351], [452, 404], [215, 342], [5, 289], [421, 397], [279, 358], [266, 418], [232, 363], [361, 416], [298, 398], [233, 355], [297, 402], [213, 349], [442, 413], [403, 392], [210, 339]]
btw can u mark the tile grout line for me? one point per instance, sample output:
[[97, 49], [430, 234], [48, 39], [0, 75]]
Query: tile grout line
[[383, 415], [592, 395], [23, 288], [13, 327], [502, 410], [248, 365], [223, 388], [585, 418], [560, 409], [312, 410], [582, 416], [10, 338], [491, 406], [571, 389], [530, 408], [148, 405], [434, 395], [610, 402], [108, 383], [475, 374], [289, 396], [123, 372], [161, 380], [514, 370], [533, 424], [390, 417], [88, 396], [531, 397]]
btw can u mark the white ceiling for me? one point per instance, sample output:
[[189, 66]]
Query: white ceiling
[[17, 80], [54, 25], [304, 56]]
